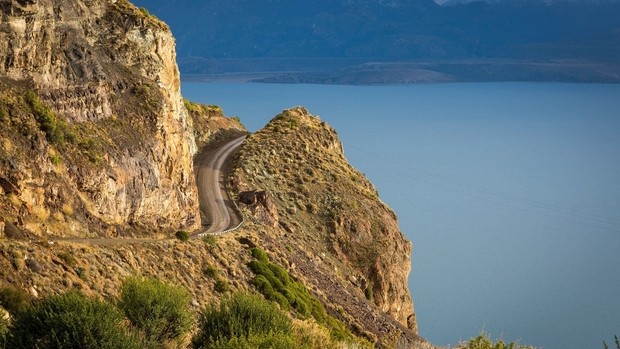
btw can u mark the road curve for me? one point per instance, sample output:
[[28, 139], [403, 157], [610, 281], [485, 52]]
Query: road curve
[[215, 204]]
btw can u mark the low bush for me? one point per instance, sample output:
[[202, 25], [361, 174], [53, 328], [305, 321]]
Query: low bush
[[275, 283], [182, 235], [210, 240], [221, 285], [70, 320], [483, 341], [14, 299], [241, 317], [68, 258], [269, 340], [211, 271], [159, 310]]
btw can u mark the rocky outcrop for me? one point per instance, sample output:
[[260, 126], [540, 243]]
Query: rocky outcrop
[[262, 206], [108, 73], [340, 237]]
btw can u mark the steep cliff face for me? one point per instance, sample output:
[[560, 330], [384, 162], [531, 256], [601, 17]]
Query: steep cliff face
[[107, 71], [330, 219], [97, 141]]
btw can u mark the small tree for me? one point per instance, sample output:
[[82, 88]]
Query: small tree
[[70, 320], [158, 309]]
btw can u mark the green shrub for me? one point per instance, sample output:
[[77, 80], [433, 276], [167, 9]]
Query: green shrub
[[211, 271], [241, 317], [70, 320], [191, 106], [210, 240], [14, 299], [159, 310], [221, 285], [270, 340], [275, 283], [82, 273], [55, 159], [369, 293], [54, 128], [182, 235], [68, 258], [483, 341], [259, 254]]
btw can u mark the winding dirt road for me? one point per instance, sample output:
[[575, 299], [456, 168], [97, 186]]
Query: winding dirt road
[[215, 205]]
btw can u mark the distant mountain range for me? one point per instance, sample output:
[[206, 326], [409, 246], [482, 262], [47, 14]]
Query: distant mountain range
[[324, 40]]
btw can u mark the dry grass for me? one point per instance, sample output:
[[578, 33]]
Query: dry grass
[[41, 213], [67, 210], [58, 216], [7, 145], [15, 200]]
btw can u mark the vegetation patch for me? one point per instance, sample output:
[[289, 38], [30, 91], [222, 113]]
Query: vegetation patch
[[182, 235], [159, 310], [70, 320], [62, 134], [14, 299], [275, 283], [210, 240], [483, 341], [285, 120], [193, 107], [56, 130], [68, 258], [240, 319], [221, 284]]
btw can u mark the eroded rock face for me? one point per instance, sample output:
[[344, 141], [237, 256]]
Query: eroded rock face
[[261, 205], [332, 215], [109, 69]]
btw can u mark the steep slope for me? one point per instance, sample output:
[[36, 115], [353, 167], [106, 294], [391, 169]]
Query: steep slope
[[326, 219], [96, 139], [97, 142]]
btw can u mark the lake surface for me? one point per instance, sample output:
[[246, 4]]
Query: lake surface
[[510, 193]]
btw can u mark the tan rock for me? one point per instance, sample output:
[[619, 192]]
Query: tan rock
[[96, 61], [346, 230]]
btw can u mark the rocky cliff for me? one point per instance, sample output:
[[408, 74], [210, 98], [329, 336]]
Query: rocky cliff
[[96, 141], [327, 220], [114, 145]]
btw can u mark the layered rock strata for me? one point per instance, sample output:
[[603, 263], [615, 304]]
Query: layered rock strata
[[108, 71]]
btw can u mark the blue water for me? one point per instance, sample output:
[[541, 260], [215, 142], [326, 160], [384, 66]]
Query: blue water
[[510, 193]]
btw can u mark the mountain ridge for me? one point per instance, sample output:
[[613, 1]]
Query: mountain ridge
[[284, 35]]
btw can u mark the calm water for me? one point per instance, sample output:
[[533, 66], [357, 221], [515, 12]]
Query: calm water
[[510, 193]]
